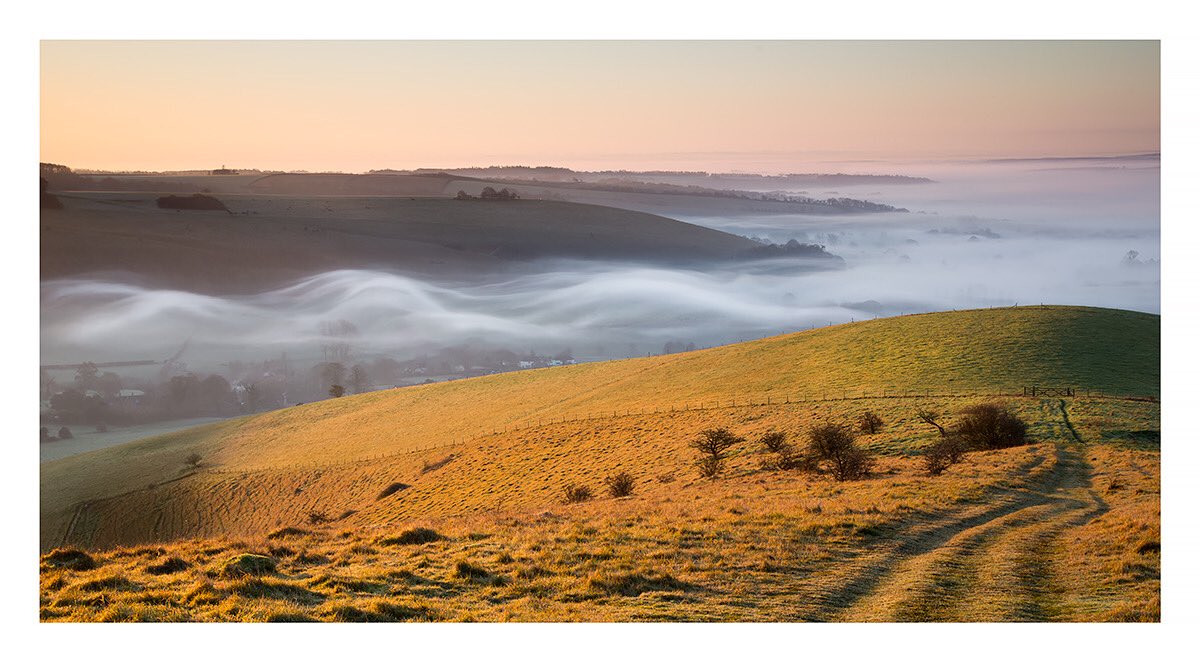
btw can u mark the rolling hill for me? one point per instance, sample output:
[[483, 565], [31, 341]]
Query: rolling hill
[[445, 501], [269, 240], [1105, 352]]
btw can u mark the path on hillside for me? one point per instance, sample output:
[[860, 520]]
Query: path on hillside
[[987, 563]]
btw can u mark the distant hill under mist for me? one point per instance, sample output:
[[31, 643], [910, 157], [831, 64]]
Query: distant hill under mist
[[268, 240]]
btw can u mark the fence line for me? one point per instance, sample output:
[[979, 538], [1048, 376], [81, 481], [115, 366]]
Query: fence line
[[806, 397]]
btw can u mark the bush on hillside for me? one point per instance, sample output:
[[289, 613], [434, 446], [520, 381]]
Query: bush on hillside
[[832, 449], [782, 455], [576, 493], [775, 442], [620, 485], [714, 443], [65, 433], [944, 453], [317, 517], [990, 426], [869, 423]]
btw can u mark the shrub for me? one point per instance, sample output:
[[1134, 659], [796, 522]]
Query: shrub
[[193, 460], [784, 456], [832, 448], [713, 443], [620, 485], [794, 461], [942, 454], [990, 426], [869, 423], [337, 391], [775, 442], [317, 517], [65, 433], [576, 493]]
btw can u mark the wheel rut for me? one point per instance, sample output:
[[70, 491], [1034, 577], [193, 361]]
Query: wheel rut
[[984, 564]]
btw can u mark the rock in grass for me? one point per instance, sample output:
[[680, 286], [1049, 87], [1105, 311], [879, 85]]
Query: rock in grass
[[247, 565]]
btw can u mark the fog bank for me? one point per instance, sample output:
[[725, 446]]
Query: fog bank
[[983, 234]]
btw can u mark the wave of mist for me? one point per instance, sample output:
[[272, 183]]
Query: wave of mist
[[599, 310], [983, 234]]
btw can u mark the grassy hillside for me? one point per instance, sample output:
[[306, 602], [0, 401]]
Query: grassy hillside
[[270, 239], [524, 417], [336, 495], [1058, 530]]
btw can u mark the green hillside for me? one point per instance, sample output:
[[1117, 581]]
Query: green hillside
[[980, 351]]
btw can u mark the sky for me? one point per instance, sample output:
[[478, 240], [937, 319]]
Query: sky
[[360, 105]]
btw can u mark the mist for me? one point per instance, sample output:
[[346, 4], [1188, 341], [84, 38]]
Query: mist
[[983, 234]]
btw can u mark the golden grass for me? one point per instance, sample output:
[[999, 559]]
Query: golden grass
[[970, 350], [364, 523], [758, 546]]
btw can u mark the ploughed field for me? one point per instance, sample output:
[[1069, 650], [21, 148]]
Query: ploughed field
[[446, 501]]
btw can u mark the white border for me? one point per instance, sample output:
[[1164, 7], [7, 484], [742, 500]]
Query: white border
[[466, 19]]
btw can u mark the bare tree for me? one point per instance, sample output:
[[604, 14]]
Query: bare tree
[[931, 417], [85, 375], [337, 334], [360, 379], [253, 396]]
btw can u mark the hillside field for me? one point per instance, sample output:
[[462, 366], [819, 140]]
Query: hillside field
[[1066, 528], [269, 240]]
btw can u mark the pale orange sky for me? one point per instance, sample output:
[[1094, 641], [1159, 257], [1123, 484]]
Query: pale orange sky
[[358, 105]]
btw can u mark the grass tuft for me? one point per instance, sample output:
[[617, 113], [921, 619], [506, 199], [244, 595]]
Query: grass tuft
[[70, 559], [248, 565], [169, 565], [416, 536]]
